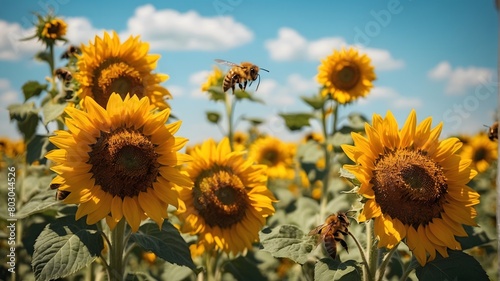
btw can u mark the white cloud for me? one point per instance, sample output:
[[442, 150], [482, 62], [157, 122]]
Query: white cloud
[[11, 48], [171, 30], [80, 30], [7, 94], [287, 93], [290, 45], [391, 97], [459, 79], [196, 80], [175, 90]]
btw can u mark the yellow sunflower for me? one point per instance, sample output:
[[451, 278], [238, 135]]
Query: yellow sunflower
[[120, 161], [414, 185], [229, 202], [346, 75], [214, 79], [481, 150], [240, 140], [54, 29], [108, 66], [276, 155]]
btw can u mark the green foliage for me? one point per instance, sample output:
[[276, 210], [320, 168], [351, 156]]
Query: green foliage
[[241, 95], [328, 269], [38, 203], [64, 247], [213, 117], [296, 121], [287, 241], [458, 266], [33, 89], [316, 102], [166, 243], [245, 268], [52, 111], [37, 148], [26, 115], [215, 93]]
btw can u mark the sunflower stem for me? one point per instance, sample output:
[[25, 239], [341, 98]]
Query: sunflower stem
[[372, 251], [408, 270], [53, 90], [229, 112], [363, 256], [324, 197], [385, 262], [116, 269]]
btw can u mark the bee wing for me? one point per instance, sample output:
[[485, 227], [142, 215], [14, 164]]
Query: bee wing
[[316, 230], [225, 62]]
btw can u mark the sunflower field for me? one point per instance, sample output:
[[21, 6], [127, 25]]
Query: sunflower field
[[116, 193]]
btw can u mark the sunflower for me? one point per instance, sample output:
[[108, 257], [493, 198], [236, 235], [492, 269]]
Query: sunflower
[[108, 66], [481, 150], [414, 185], [276, 155], [119, 161], [54, 29], [214, 79], [229, 202], [346, 75], [240, 140]]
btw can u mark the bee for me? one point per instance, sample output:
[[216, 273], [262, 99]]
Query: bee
[[60, 194], [240, 74], [70, 52], [335, 229], [64, 74], [493, 132]]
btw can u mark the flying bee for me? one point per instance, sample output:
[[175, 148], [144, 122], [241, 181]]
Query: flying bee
[[493, 132], [70, 52], [240, 74], [335, 229], [64, 74]]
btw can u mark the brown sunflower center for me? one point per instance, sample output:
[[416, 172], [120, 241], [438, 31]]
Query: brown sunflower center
[[124, 162], [409, 186], [116, 77], [480, 154], [53, 29], [346, 77], [270, 157], [220, 197]]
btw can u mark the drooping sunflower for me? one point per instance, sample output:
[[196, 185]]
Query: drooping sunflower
[[120, 161], [276, 155], [346, 75], [229, 202], [414, 185], [481, 150], [108, 66]]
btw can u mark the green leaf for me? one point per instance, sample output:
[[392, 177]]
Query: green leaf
[[338, 139], [240, 95], [165, 243], [255, 121], [310, 152], [43, 56], [37, 147], [20, 112], [215, 93], [52, 111], [33, 89], [357, 121], [287, 241], [172, 272], [296, 121], [477, 237], [343, 173], [26, 116], [213, 117], [38, 203], [316, 102], [458, 266], [328, 269], [64, 247], [245, 268]]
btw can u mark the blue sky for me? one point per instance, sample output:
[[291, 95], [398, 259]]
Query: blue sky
[[439, 57]]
